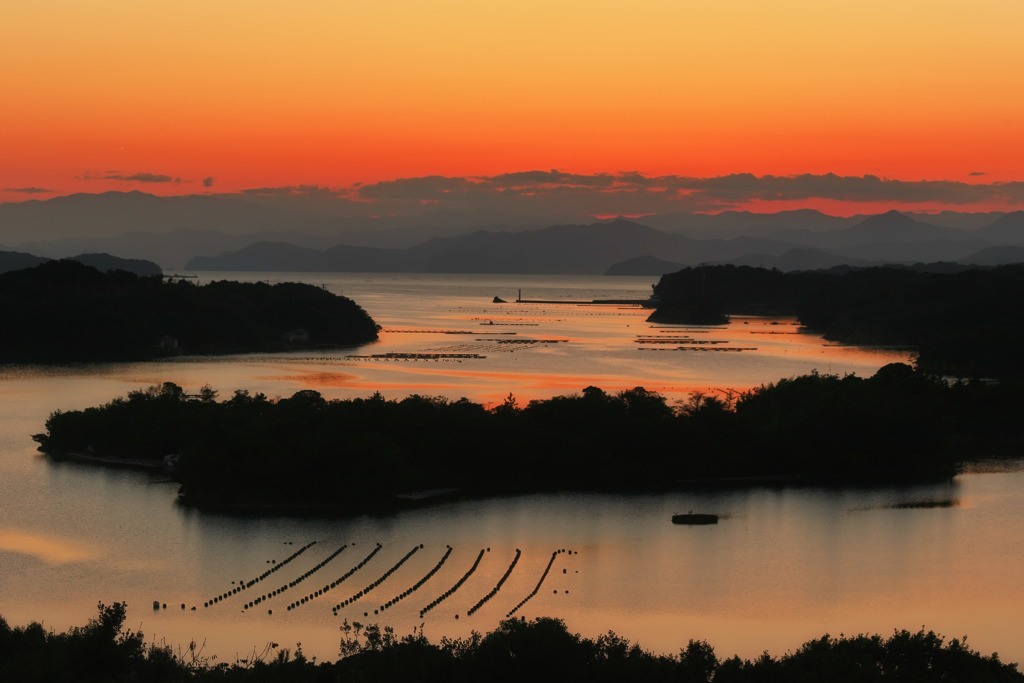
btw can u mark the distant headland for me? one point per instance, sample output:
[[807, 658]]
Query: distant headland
[[67, 312], [963, 322]]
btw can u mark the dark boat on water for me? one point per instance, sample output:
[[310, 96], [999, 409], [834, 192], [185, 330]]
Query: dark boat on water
[[695, 518]]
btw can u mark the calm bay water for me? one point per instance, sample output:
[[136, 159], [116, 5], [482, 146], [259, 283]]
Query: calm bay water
[[783, 565]]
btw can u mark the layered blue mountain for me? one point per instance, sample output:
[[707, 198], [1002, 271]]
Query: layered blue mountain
[[574, 249], [1008, 229], [316, 231]]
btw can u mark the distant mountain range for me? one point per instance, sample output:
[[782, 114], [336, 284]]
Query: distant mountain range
[[15, 260], [238, 232], [171, 230], [630, 248], [575, 249]]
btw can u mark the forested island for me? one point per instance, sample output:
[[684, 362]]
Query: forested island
[[541, 649], [67, 312], [306, 452], [964, 322]]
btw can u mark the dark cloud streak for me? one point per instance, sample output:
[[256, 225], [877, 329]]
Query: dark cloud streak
[[28, 190], [140, 177]]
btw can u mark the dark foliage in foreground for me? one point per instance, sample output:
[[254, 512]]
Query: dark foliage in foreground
[[64, 311], [965, 324], [308, 451], [540, 650]]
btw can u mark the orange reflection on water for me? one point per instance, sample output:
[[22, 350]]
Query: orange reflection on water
[[49, 549], [543, 384], [487, 387], [316, 379]]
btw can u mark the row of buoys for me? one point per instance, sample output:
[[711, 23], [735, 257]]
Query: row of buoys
[[302, 577], [317, 593], [379, 581], [333, 584], [661, 336], [253, 582], [448, 593], [242, 585], [415, 356], [406, 593], [430, 331], [317, 567], [512, 324], [497, 587], [157, 605], [434, 360], [700, 348], [465, 348], [691, 330], [537, 587]]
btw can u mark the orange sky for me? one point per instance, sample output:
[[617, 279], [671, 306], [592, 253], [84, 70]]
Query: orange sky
[[326, 92]]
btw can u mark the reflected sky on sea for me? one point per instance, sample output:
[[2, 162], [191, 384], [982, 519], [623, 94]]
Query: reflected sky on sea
[[784, 564]]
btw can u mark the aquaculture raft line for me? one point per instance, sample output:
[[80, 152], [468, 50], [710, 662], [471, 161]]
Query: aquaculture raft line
[[448, 593], [537, 588], [416, 356], [497, 587], [383, 577], [302, 577], [352, 571], [406, 593], [242, 585]]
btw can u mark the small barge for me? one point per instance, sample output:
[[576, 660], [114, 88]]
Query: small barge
[[695, 518]]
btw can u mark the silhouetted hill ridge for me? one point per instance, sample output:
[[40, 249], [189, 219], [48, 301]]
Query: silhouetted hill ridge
[[17, 260], [13, 260], [106, 262]]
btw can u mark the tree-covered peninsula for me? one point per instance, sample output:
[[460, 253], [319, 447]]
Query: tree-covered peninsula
[[64, 311], [361, 454], [964, 322]]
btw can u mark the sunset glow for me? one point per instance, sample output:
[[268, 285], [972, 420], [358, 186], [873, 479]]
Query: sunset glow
[[119, 95]]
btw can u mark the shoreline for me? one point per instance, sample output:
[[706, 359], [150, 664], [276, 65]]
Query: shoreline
[[386, 504]]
